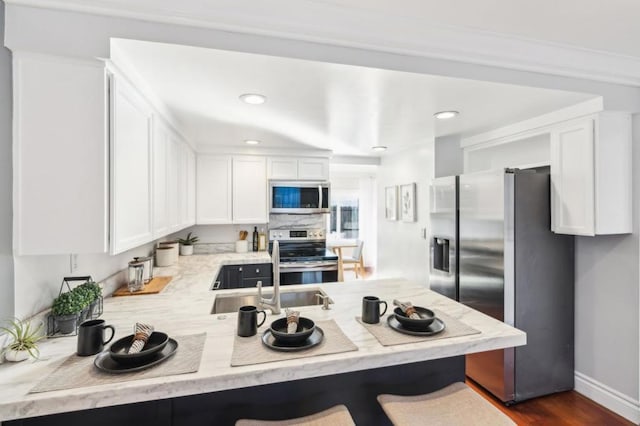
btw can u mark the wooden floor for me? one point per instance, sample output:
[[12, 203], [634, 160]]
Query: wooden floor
[[561, 409]]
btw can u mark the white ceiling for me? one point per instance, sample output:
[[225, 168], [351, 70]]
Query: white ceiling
[[346, 109]]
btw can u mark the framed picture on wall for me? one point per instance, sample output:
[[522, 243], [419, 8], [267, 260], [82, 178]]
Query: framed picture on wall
[[408, 202], [391, 203]]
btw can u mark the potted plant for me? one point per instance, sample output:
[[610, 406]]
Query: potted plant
[[66, 310], [186, 244], [24, 342], [90, 293]]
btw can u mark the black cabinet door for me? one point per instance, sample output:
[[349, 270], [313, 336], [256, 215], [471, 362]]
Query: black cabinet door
[[258, 270], [233, 276]]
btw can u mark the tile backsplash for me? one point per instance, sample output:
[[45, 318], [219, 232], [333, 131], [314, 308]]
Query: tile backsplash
[[298, 221]]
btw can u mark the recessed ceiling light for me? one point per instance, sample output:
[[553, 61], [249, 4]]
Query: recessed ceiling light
[[443, 115], [252, 142], [379, 148], [253, 98]]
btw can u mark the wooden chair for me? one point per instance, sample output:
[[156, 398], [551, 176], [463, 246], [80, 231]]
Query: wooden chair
[[355, 259], [456, 404], [334, 416]]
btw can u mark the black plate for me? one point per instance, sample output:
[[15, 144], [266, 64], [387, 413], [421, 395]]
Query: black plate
[[315, 339], [426, 318], [104, 362], [437, 326]]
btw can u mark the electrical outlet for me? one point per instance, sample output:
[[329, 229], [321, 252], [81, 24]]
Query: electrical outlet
[[73, 263]]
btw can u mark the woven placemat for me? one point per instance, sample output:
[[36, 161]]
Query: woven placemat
[[389, 337], [251, 350], [79, 371]]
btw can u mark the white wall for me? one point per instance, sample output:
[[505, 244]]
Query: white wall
[[38, 278], [6, 259], [402, 251], [607, 279]]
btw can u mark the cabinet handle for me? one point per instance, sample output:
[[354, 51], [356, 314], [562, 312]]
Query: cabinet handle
[[240, 269], [257, 271]]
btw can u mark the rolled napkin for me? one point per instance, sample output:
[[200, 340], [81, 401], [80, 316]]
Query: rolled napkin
[[143, 331], [292, 320], [407, 308]]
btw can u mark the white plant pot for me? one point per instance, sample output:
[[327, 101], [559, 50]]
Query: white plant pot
[[186, 250], [16, 356]]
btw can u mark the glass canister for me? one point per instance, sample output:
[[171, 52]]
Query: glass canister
[[136, 276], [148, 267]]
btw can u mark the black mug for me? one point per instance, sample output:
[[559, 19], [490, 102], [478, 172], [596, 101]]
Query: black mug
[[91, 337], [371, 309], [248, 320]]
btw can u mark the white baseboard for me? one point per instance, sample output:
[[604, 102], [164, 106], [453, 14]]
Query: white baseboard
[[615, 401]]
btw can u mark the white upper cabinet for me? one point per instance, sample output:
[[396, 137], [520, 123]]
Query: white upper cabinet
[[60, 156], [160, 201], [191, 187], [173, 183], [249, 190], [591, 175], [313, 169], [298, 168], [285, 168], [213, 190], [572, 176], [131, 164]]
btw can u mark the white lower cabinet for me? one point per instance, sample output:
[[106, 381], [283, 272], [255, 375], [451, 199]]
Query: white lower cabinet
[[231, 189], [591, 175], [131, 159]]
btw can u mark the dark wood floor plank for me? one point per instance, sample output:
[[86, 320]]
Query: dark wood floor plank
[[561, 409]]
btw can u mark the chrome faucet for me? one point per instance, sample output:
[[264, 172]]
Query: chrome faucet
[[274, 302]]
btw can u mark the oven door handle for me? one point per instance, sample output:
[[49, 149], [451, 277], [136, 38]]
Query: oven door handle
[[293, 267]]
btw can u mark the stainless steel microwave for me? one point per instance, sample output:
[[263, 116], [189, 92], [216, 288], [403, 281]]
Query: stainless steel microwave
[[296, 197]]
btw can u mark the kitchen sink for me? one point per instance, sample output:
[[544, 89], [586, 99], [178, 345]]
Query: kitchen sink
[[225, 303]]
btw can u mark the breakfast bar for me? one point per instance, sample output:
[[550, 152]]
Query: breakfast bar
[[278, 389]]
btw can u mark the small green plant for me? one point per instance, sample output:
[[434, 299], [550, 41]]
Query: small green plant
[[89, 292], [189, 241], [69, 303], [25, 338]]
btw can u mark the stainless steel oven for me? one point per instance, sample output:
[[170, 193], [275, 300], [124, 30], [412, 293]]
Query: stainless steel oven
[[296, 197], [304, 257]]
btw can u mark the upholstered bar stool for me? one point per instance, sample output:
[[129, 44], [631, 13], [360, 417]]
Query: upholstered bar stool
[[334, 416], [456, 404]]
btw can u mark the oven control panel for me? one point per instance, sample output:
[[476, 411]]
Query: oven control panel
[[296, 234]]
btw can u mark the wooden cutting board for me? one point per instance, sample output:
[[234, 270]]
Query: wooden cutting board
[[156, 285]]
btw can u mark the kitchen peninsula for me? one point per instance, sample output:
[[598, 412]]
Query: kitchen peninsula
[[184, 308]]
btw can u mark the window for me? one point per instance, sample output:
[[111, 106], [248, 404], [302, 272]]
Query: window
[[343, 220]]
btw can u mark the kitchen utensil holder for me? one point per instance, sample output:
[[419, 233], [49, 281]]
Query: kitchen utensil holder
[[86, 314]]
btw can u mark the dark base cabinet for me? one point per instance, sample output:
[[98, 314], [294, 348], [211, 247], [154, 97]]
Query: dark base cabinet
[[243, 276], [356, 390]]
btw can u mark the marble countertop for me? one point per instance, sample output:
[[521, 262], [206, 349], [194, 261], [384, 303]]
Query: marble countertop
[[184, 307]]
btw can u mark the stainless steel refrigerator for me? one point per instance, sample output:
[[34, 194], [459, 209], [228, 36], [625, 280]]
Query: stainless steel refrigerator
[[492, 249]]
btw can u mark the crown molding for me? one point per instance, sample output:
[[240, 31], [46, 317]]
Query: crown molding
[[312, 21]]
